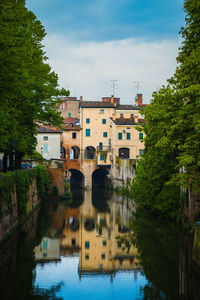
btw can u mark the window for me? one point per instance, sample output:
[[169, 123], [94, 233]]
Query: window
[[45, 148], [100, 230], [121, 115], [124, 153], [87, 245], [102, 221], [88, 120], [142, 115], [102, 157], [119, 136], [140, 152], [105, 134], [87, 256], [132, 115], [69, 114], [100, 146], [119, 245], [101, 111], [140, 136], [87, 132], [103, 256], [128, 136], [74, 135], [103, 121], [104, 243], [45, 138]]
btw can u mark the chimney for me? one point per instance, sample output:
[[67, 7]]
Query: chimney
[[81, 98], [139, 100], [112, 99], [136, 119]]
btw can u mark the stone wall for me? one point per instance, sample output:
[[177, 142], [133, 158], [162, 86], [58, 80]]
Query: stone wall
[[10, 219]]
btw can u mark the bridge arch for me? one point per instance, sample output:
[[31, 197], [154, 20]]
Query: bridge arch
[[74, 152], [77, 179], [90, 152], [100, 178]]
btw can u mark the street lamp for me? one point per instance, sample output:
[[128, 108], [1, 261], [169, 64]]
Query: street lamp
[[41, 154]]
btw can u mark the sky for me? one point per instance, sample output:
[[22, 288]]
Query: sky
[[91, 42]]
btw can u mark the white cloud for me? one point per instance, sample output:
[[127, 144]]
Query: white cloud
[[87, 68]]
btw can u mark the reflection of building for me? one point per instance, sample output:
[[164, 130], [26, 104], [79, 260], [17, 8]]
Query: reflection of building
[[48, 250], [95, 232]]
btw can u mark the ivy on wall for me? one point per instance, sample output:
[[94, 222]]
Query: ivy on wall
[[21, 179]]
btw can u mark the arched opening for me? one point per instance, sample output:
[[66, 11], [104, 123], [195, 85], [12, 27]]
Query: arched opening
[[76, 179], [74, 224], [90, 153], [89, 224], [100, 178], [124, 152], [62, 152], [74, 152]]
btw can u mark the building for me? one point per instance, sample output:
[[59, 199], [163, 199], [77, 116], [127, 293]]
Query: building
[[49, 142]]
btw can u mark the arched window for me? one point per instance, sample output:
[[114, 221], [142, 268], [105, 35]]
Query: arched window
[[124, 152], [74, 152], [90, 152]]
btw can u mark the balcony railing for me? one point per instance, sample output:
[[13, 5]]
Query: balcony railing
[[103, 148]]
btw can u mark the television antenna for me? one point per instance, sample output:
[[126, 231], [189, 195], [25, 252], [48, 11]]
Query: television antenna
[[114, 85], [138, 85]]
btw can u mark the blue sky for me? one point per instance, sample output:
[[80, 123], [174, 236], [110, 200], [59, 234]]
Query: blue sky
[[84, 27]]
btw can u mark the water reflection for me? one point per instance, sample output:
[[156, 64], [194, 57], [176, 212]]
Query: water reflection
[[96, 248]]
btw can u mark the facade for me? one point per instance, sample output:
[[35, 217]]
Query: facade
[[101, 135], [49, 142]]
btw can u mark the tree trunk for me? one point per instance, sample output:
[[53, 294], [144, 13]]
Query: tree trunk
[[18, 159], [11, 162]]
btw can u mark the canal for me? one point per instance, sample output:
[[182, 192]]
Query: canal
[[96, 247]]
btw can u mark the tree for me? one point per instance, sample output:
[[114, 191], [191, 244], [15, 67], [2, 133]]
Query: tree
[[173, 126], [28, 87]]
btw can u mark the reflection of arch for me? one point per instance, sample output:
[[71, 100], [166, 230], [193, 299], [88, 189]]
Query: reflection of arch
[[76, 178], [100, 178], [124, 152], [74, 224], [74, 152], [89, 224], [122, 228], [90, 152]]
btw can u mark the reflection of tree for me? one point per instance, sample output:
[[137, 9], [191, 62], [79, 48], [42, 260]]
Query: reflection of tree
[[46, 294], [158, 246]]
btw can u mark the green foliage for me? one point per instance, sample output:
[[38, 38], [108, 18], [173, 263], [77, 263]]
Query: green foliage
[[55, 190], [21, 179], [33, 156], [29, 89], [43, 181], [172, 129]]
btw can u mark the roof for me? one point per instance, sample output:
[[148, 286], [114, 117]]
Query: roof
[[48, 129], [96, 104], [70, 120], [72, 127], [126, 121], [130, 107]]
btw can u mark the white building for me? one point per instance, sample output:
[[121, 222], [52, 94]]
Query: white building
[[49, 142]]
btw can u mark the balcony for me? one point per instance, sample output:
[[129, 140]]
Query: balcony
[[103, 148]]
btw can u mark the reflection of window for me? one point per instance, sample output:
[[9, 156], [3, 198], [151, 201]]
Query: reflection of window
[[104, 243], [102, 221], [87, 132], [103, 256], [119, 136], [132, 115], [88, 120], [100, 230], [74, 135], [119, 245], [69, 114], [45, 148], [140, 136], [101, 111], [121, 115], [87, 256], [103, 121], [87, 245], [45, 138], [44, 244], [102, 157]]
